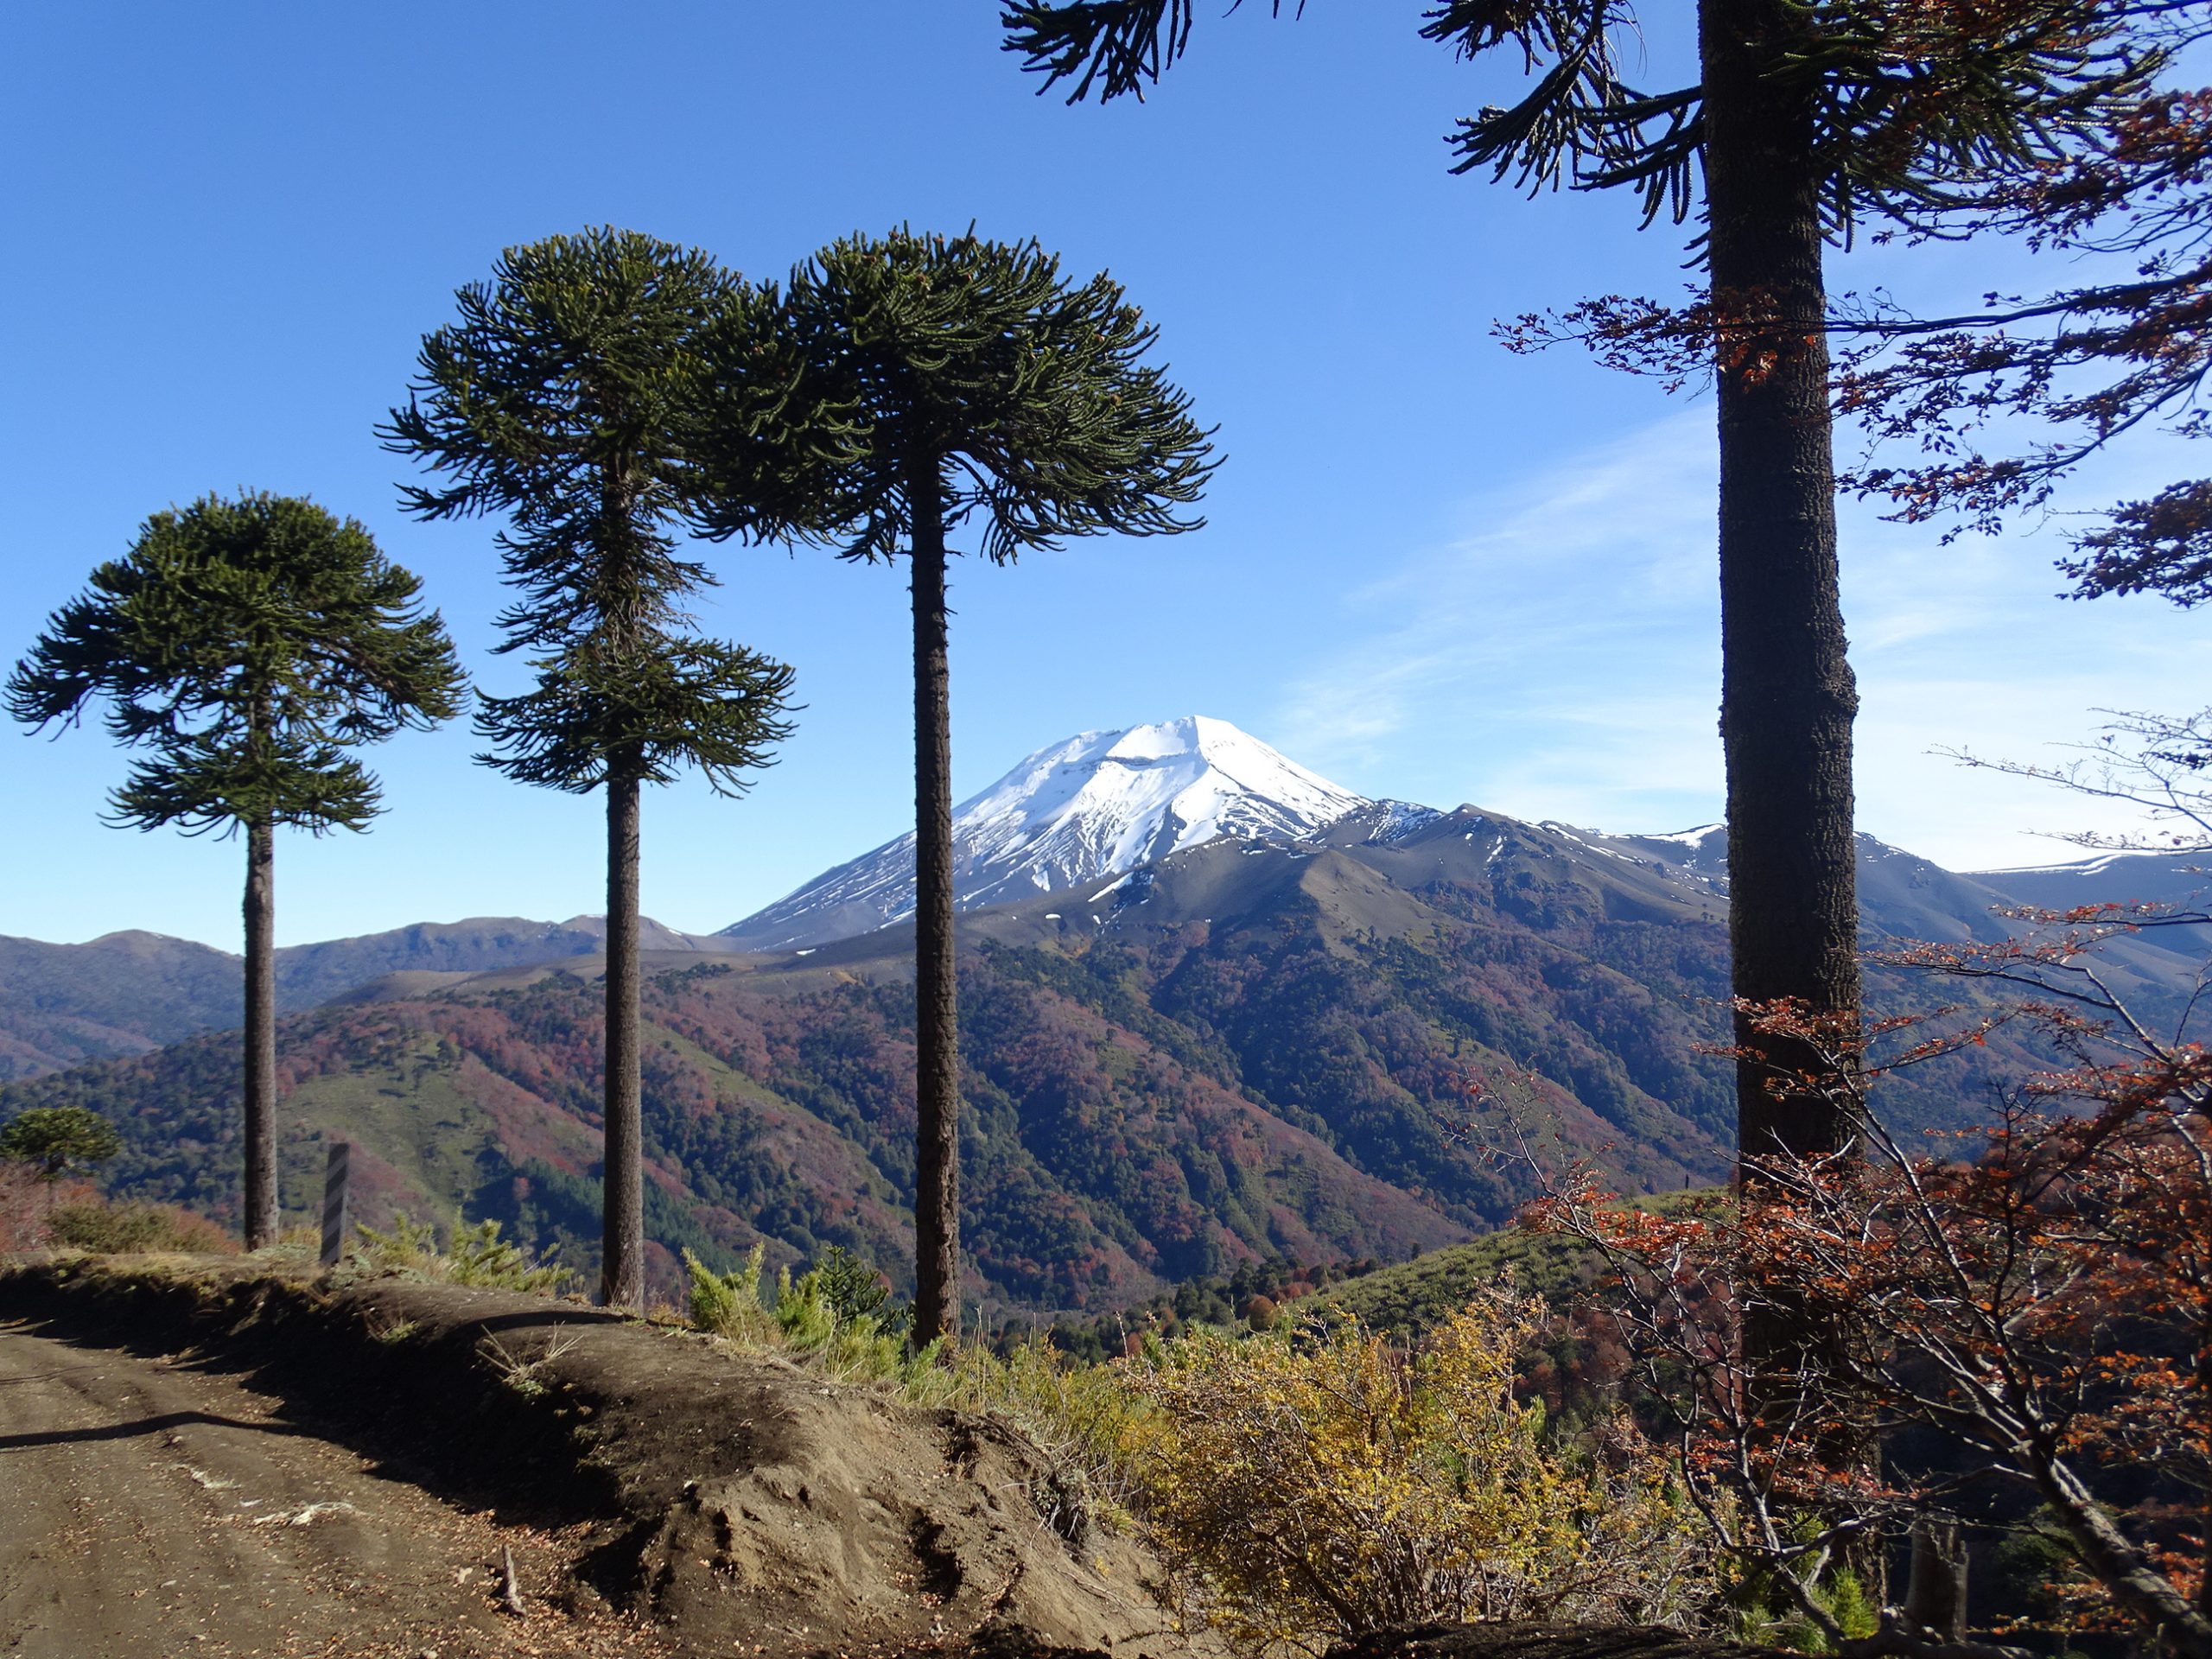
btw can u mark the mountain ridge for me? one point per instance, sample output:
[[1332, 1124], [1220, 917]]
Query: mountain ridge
[[1251, 1046], [1086, 808], [130, 991]]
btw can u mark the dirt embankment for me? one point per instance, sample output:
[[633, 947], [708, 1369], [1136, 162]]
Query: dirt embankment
[[1518, 1641], [724, 1503]]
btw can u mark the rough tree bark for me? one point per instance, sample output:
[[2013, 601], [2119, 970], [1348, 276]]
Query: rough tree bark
[[622, 1273], [1788, 697], [261, 1212], [937, 1072]]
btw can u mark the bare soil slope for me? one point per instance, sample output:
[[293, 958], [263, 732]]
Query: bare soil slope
[[661, 1495], [154, 1508], [1516, 1640]]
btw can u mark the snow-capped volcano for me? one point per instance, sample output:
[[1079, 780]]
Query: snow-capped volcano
[[1086, 809]]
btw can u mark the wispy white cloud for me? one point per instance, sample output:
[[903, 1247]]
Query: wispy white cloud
[[1558, 659]]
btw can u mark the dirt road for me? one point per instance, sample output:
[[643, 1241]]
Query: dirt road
[[148, 1507]]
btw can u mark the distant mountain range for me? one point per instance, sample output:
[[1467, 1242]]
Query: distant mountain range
[[1100, 805], [131, 992], [1206, 1016]]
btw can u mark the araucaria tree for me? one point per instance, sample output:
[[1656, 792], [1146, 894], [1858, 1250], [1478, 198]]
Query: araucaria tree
[[559, 399], [59, 1138], [1807, 120], [900, 388], [247, 645]]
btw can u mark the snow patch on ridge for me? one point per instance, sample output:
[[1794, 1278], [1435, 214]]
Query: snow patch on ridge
[[2095, 865], [1097, 805]]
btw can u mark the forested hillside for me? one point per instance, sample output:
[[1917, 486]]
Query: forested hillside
[[1247, 1052], [1098, 1162]]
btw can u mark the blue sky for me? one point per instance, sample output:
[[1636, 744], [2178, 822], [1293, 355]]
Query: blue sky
[[1433, 570]]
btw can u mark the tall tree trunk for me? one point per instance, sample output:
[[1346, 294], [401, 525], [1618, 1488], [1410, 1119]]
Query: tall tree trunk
[[937, 1074], [1936, 1589], [622, 1273], [1787, 695], [261, 1212]]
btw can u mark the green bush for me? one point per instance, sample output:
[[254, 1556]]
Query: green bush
[[805, 1313], [729, 1304], [854, 1290], [477, 1257], [817, 1317]]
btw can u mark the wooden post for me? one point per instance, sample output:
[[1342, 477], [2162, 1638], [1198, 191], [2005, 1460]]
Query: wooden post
[[1935, 1594], [334, 1218]]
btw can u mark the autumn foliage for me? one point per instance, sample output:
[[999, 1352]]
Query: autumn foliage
[[2023, 1315], [1317, 1480]]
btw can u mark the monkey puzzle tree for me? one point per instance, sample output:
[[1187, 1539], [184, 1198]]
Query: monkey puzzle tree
[[560, 399], [898, 388], [248, 644], [1806, 120], [56, 1137]]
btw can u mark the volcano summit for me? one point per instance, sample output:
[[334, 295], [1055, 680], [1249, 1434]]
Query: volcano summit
[[1088, 809]]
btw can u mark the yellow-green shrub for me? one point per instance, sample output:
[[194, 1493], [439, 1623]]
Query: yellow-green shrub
[[476, 1256], [1316, 1482], [729, 1304]]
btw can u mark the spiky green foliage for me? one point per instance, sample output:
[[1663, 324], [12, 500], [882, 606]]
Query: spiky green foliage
[[728, 1304], [247, 645], [900, 388], [560, 400], [672, 704], [475, 1255], [854, 1290], [1910, 101], [565, 399], [1023, 393], [1913, 101], [59, 1138]]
